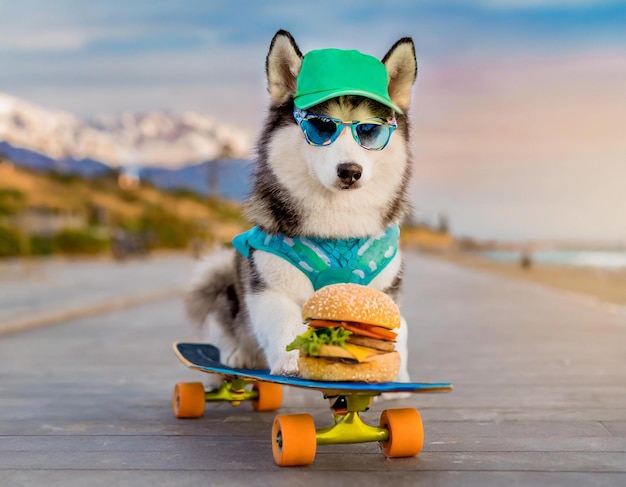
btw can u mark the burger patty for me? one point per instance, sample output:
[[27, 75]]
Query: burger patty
[[375, 343]]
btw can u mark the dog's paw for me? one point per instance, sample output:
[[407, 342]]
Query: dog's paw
[[393, 396], [240, 358], [403, 376], [213, 382], [287, 365]]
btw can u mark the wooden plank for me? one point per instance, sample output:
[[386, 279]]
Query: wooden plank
[[299, 476]]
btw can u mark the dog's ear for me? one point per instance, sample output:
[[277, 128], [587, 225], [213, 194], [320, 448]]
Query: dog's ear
[[402, 67], [282, 67]]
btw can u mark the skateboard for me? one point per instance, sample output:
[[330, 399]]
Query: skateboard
[[294, 436]]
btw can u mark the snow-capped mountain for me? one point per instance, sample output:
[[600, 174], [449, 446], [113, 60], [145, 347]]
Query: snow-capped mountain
[[171, 139], [55, 134], [149, 139]]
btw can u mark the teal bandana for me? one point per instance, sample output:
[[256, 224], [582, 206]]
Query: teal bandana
[[327, 261]]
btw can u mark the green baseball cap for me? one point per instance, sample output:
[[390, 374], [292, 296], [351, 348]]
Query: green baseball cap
[[328, 73]]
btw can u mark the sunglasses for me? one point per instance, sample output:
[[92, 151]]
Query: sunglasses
[[321, 130]]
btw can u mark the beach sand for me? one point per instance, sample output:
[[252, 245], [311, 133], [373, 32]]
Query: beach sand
[[606, 286]]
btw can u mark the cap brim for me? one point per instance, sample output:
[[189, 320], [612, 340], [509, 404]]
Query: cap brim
[[307, 101]]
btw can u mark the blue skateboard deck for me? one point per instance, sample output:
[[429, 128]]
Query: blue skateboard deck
[[206, 358]]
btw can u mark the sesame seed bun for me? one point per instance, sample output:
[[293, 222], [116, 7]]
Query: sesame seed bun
[[352, 302]]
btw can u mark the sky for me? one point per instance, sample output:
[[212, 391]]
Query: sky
[[518, 114]]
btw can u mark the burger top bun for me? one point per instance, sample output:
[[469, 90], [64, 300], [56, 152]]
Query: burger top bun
[[352, 302]]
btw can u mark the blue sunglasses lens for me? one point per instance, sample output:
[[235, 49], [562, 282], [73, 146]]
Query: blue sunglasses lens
[[320, 131], [372, 135]]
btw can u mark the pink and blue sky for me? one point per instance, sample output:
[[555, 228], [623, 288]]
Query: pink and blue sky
[[519, 111]]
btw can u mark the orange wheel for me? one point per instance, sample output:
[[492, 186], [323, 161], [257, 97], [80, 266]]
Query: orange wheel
[[293, 440], [270, 396], [188, 400], [406, 432]]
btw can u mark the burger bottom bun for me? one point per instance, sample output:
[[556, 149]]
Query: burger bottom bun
[[381, 368]]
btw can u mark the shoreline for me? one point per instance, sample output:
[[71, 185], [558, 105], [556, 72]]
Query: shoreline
[[605, 286]]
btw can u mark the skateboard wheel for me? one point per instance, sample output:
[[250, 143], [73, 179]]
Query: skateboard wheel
[[270, 396], [188, 400], [406, 432], [293, 440]]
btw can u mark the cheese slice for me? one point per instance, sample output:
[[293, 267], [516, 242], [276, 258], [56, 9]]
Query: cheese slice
[[349, 351], [360, 353]]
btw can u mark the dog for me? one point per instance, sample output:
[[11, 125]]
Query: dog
[[307, 189]]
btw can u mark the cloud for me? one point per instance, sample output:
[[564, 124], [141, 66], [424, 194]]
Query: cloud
[[546, 4], [449, 27], [526, 148], [62, 40]]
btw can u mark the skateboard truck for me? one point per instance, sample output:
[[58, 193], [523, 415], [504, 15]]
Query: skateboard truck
[[233, 391], [349, 427]]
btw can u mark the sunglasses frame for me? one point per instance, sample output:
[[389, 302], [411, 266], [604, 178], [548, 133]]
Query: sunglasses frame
[[302, 116]]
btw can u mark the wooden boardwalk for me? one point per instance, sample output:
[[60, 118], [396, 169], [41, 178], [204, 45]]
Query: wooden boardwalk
[[539, 399]]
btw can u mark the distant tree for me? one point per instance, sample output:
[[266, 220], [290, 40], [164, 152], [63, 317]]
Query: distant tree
[[82, 242], [213, 177], [12, 201], [227, 152], [12, 242], [411, 219], [443, 226]]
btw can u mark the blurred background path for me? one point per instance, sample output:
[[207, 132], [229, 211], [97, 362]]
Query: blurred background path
[[39, 292]]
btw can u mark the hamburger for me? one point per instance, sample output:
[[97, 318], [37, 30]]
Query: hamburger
[[350, 335]]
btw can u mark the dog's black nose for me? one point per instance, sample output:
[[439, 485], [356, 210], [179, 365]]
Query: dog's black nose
[[349, 172]]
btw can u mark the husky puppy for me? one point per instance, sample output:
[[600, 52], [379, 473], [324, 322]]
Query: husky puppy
[[309, 190]]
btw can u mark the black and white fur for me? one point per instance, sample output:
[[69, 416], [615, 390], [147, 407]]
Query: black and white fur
[[253, 305]]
